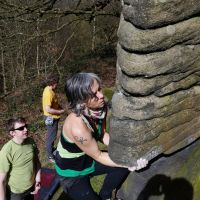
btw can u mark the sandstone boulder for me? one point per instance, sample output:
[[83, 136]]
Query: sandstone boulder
[[178, 59], [151, 40], [154, 13], [174, 177]]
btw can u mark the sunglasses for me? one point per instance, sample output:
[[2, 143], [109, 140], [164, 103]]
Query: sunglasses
[[21, 128]]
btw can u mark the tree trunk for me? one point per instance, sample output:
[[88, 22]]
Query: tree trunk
[[94, 31], [3, 72], [37, 51], [37, 60]]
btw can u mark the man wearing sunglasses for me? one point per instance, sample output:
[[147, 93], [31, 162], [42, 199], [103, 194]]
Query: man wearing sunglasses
[[19, 166]]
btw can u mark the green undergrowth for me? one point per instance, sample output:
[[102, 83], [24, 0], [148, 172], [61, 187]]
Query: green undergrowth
[[108, 92]]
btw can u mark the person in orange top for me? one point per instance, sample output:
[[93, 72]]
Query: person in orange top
[[52, 112]]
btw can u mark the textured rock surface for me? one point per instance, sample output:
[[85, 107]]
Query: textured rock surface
[[177, 59], [159, 85], [175, 177], [150, 40], [153, 13], [156, 107]]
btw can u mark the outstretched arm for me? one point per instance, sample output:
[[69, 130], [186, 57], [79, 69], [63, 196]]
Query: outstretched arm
[[82, 136], [141, 163], [3, 186]]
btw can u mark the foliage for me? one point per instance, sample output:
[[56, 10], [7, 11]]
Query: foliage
[[108, 92], [42, 36], [38, 36]]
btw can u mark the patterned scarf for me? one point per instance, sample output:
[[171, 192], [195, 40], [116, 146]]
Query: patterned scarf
[[94, 115]]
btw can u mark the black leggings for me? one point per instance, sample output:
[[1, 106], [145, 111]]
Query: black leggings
[[80, 188]]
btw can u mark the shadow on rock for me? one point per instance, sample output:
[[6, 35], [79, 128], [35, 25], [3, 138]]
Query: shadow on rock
[[171, 189]]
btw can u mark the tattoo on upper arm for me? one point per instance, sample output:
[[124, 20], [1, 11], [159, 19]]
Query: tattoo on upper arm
[[80, 139]]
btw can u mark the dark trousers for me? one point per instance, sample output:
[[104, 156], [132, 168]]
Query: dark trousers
[[20, 196], [51, 137], [80, 188]]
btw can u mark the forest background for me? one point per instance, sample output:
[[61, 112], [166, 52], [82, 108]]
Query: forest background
[[39, 37]]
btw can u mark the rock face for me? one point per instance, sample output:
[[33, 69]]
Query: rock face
[[154, 13], [175, 177], [156, 107]]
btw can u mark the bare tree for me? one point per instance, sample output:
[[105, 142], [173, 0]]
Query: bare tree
[[3, 72], [39, 35]]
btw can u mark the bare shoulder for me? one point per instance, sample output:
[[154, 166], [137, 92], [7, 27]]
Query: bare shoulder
[[76, 129], [74, 122]]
